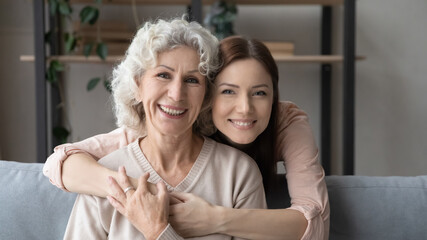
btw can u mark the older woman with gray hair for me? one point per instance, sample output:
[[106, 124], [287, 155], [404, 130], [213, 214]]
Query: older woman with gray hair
[[162, 90]]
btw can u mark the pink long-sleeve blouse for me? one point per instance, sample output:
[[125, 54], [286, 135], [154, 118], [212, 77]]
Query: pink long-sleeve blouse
[[295, 145]]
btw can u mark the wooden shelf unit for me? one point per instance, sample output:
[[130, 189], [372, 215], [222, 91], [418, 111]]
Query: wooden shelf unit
[[324, 59]]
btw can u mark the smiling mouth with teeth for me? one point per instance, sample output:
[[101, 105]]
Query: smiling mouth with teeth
[[243, 123], [170, 111]]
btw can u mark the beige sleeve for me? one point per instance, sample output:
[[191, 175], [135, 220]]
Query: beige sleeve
[[85, 222], [169, 234], [97, 146], [251, 194], [305, 175]]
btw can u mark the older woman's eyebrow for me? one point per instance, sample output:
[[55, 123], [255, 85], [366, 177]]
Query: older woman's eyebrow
[[173, 70]]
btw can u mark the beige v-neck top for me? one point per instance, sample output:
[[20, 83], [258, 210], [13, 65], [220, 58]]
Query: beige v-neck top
[[221, 175]]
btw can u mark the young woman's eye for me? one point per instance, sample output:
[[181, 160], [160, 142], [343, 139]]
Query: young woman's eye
[[192, 80], [227, 91], [260, 93], [163, 75]]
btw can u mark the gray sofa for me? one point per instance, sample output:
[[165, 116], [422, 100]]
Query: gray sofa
[[361, 207]]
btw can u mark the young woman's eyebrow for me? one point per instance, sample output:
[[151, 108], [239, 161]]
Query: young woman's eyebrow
[[260, 85], [228, 84]]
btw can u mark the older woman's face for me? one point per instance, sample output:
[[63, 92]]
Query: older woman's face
[[173, 91]]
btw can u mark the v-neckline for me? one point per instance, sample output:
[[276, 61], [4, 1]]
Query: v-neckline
[[187, 181]]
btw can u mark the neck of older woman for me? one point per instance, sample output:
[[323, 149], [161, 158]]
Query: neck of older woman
[[172, 157]]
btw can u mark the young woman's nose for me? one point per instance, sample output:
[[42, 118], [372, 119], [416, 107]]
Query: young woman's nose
[[244, 104], [176, 89]]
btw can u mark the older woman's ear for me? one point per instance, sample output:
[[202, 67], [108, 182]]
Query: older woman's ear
[[138, 97]]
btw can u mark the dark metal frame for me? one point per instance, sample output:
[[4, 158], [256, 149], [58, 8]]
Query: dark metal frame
[[348, 98], [40, 85], [326, 92], [349, 85]]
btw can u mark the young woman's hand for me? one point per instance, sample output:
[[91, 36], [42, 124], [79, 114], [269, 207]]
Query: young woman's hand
[[193, 216], [146, 210]]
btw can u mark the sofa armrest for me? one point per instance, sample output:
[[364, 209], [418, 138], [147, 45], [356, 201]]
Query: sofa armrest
[[31, 207]]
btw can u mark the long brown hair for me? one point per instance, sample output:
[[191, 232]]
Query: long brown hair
[[262, 150]]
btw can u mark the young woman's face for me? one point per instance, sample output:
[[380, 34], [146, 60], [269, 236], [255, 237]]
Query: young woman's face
[[243, 101], [172, 92]]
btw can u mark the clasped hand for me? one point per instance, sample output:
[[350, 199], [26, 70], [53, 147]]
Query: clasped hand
[[150, 208], [147, 211]]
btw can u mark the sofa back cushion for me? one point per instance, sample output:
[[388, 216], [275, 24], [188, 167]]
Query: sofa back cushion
[[31, 207], [389, 208]]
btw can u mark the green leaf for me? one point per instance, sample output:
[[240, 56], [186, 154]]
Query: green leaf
[[107, 85], [64, 8], [89, 15], [61, 133], [51, 74], [53, 6], [70, 42], [57, 66], [92, 83], [87, 48], [102, 50]]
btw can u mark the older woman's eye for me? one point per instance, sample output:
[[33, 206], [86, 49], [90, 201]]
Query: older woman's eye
[[260, 93], [227, 91], [192, 80], [163, 75]]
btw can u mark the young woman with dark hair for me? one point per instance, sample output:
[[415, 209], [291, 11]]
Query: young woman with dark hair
[[236, 48], [248, 115]]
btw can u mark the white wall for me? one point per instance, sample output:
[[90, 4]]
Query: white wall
[[391, 88], [390, 83], [17, 96]]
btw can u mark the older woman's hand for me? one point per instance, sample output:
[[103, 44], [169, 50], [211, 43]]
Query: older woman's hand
[[193, 216], [146, 210]]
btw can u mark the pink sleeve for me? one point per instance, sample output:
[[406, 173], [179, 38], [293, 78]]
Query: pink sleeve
[[97, 146], [305, 175]]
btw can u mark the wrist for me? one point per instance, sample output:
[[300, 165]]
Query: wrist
[[156, 232], [221, 219]]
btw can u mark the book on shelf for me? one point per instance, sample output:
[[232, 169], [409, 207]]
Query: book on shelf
[[281, 48]]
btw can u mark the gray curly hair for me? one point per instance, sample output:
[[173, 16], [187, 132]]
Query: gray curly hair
[[150, 40]]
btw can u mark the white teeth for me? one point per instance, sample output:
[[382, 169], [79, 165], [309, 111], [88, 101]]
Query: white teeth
[[172, 111], [242, 123]]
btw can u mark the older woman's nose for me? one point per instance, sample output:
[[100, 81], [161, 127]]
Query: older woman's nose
[[176, 89]]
